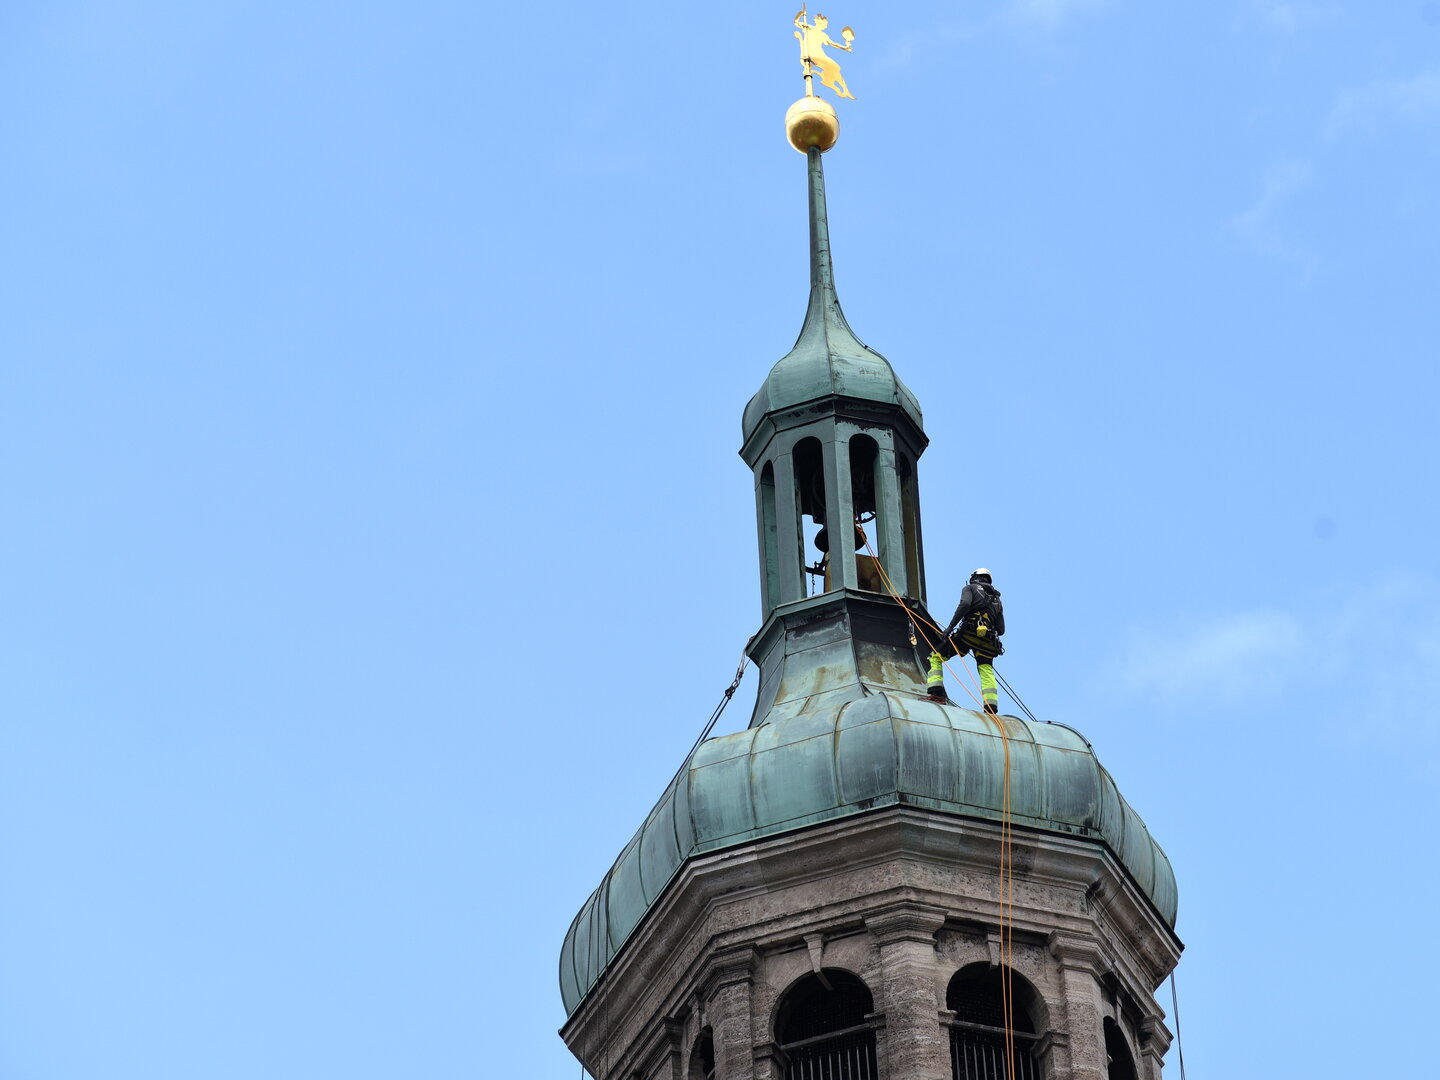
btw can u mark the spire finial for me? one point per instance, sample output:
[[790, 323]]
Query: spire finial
[[811, 121]]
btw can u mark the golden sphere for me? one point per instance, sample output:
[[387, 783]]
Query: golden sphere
[[811, 121]]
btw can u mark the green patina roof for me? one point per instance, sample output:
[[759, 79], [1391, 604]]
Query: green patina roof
[[837, 760], [828, 359]]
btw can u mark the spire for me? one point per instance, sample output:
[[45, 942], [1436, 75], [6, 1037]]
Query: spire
[[825, 326], [827, 358]]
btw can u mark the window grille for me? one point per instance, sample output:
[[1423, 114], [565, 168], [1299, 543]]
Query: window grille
[[978, 1044], [844, 1055], [823, 1031], [978, 1053]]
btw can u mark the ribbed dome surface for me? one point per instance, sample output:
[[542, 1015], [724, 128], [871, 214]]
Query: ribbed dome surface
[[848, 758], [829, 362]]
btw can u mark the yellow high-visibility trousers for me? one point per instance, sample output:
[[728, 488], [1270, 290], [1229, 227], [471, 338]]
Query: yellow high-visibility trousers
[[935, 677], [989, 689]]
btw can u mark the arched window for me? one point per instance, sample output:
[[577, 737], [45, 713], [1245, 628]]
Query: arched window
[[769, 540], [1120, 1064], [702, 1057], [809, 461], [864, 497], [978, 1041], [822, 1030]]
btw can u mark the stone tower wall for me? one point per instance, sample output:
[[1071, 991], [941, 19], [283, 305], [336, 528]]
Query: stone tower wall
[[902, 898]]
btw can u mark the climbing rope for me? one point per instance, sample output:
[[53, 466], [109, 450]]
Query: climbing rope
[[724, 700], [1007, 855], [704, 734], [1016, 698], [1179, 1045], [606, 1059], [715, 716]]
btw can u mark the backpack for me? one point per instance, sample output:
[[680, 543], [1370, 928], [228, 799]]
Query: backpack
[[977, 631]]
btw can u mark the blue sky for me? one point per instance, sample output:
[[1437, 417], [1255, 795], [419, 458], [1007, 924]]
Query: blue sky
[[375, 542]]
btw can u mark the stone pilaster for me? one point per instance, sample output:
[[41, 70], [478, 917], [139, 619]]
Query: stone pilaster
[[660, 1054], [1079, 962], [729, 1004], [769, 1062], [1051, 1051], [1154, 1042], [914, 1044]]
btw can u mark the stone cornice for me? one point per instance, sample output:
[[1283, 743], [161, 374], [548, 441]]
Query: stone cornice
[[1154, 1036], [905, 922], [1051, 1040], [663, 1041], [729, 968], [1078, 952], [768, 1052]]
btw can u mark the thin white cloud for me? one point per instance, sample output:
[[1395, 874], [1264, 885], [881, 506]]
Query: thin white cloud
[[1025, 16], [1387, 637], [1049, 14], [1362, 107], [1258, 224], [909, 44], [1372, 649], [1232, 657], [1285, 17], [1280, 180]]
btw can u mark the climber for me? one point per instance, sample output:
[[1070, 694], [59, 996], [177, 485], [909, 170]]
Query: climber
[[976, 627]]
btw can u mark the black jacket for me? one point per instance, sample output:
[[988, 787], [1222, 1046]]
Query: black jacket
[[979, 597]]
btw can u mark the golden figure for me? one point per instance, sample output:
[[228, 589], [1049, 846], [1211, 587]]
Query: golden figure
[[813, 40]]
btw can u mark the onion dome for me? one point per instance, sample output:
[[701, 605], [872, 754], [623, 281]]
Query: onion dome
[[835, 760]]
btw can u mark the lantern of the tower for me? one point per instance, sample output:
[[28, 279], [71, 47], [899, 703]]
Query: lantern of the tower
[[834, 438]]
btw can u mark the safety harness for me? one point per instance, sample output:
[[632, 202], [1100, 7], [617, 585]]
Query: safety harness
[[976, 632]]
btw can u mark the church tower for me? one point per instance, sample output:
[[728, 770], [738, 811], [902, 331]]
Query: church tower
[[867, 884]]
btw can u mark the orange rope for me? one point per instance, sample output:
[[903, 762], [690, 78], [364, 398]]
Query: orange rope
[[1007, 853]]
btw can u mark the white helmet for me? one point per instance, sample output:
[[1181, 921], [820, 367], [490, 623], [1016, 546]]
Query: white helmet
[[981, 572]]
